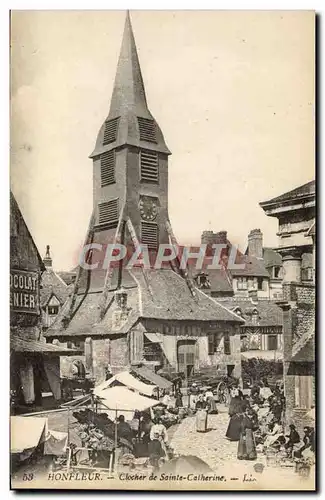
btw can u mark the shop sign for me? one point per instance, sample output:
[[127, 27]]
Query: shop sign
[[24, 291]]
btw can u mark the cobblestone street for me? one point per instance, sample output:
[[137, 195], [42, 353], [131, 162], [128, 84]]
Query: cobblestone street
[[221, 454], [211, 446]]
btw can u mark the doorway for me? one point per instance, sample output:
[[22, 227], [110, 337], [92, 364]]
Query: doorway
[[186, 357], [230, 370]]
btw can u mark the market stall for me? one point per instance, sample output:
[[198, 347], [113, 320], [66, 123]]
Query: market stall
[[128, 380], [31, 440]]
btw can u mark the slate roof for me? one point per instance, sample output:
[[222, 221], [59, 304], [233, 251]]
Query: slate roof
[[271, 258], [252, 267], [172, 299], [19, 344], [53, 284], [151, 376], [157, 294], [67, 276], [129, 102], [18, 229], [307, 189], [269, 313], [219, 281]]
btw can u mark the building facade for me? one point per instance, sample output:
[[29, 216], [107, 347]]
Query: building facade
[[34, 364], [131, 315], [295, 211], [54, 292]]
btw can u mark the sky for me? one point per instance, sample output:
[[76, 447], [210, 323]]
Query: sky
[[233, 92]]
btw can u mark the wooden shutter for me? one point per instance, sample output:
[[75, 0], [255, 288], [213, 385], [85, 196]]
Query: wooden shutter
[[110, 132], [108, 212], [226, 344], [149, 166], [107, 168], [303, 391], [272, 342], [147, 129], [211, 343], [149, 234]]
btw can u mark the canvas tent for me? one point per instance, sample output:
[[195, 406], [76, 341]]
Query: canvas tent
[[128, 380], [123, 401], [26, 433]]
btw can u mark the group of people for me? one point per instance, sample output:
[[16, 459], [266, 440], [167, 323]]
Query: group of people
[[202, 400], [256, 422]]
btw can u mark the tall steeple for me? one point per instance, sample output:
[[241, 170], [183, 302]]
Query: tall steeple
[[130, 171], [128, 92], [129, 120]]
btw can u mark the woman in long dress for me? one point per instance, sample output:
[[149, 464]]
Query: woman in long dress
[[235, 413], [246, 446]]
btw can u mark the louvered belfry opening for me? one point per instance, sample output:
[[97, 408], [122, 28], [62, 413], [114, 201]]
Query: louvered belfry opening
[[107, 168], [110, 132], [149, 171], [149, 235], [147, 129], [108, 212]]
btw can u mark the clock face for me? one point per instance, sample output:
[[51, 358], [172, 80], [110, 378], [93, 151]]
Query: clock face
[[148, 208]]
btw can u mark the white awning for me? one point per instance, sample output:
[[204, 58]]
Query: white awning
[[26, 433], [122, 401], [125, 378], [156, 338]]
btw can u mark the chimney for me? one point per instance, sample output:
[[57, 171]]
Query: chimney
[[211, 238], [255, 243], [47, 259], [253, 296], [207, 237]]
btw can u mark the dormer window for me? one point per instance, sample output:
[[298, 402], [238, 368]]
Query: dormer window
[[202, 281], [255, 316], [276, 271], [238, 311], [242, 283]]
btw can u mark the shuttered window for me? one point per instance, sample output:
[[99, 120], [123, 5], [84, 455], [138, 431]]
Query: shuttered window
[[149, 234], [108, 212], [226, 344], [107, 168], [110, 131], [147, 129], [272, 342], [211, 344], [149, 166]]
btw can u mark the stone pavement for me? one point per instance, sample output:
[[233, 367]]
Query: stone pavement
[[221, 455], [211, 446]]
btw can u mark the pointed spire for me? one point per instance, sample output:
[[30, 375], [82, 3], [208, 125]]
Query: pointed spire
[[47, 259], [128, 92], [128, 104]]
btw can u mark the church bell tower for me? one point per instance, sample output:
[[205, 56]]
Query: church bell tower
[[130, 162]]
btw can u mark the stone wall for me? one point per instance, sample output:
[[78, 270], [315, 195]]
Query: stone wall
[[113, 352], [298, 318]]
